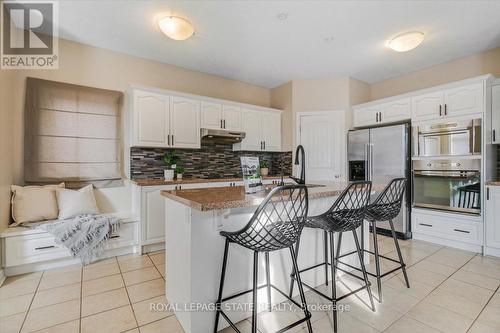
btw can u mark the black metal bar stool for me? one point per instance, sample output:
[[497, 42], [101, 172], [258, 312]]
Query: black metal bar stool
[[276, 224], [346, 214], [385, 208]]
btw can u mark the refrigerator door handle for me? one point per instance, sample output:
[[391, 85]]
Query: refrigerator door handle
[[370, 159], [367, 162]]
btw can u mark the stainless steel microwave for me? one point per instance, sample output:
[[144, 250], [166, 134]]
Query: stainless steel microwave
[[457, 138]]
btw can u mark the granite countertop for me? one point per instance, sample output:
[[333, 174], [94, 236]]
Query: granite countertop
[[156, 182], [207, 199], [493, 183]]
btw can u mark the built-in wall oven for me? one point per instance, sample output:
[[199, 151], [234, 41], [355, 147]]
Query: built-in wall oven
[[451, 185], [455, 138]]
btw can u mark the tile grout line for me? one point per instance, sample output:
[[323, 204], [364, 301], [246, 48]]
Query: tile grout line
[[81, 303], [31, 303], [128, 296], [395, 276], [489, 300], [435, 288], [161, 275]]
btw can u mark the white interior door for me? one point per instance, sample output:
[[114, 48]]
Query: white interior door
[[323, 136]]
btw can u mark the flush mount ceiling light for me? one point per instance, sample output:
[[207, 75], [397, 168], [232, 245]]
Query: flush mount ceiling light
[[175, 27], [406, 42]]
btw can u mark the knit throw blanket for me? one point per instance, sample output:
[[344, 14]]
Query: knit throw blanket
[[84, 236]]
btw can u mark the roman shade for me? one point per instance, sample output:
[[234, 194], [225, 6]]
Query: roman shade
[[72, 134]]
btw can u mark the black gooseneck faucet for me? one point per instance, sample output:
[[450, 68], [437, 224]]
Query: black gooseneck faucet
[[302, 179]]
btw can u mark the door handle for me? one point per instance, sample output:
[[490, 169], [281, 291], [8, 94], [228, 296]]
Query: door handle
[[425, 225], [224, 123], [376, 117], [264, 145], [445, 109], [380, 116], [440, 110], [462, 231], [494, 136], [487, 193], [221, 124], [172, 139], [168, 138]]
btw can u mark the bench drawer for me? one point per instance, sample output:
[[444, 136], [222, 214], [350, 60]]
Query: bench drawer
[[27, 249]]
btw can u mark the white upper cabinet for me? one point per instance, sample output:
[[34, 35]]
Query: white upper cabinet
[[495, 113], [446, 101], [468, 99], [184, 123], [165, 121], [220, 116], [398, 110], [271, 131], [427, 106], [385, 113], [252, 123], [150, 118], [464, 100], [174, 120], [262, 131], [211, 115], [366, 116], [231, 117]]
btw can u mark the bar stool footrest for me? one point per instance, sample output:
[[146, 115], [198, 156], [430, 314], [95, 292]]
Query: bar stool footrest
[[233, 326]]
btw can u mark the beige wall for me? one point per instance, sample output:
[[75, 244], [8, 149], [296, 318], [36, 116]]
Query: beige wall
[[90, 66], [281, 98], [478, 64], [7, 171]]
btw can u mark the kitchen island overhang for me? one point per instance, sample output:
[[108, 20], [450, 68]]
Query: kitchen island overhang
[[194, 252]]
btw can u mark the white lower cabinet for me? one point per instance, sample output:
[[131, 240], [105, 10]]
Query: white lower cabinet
[[492, 244], [455, 230], [153, 207]]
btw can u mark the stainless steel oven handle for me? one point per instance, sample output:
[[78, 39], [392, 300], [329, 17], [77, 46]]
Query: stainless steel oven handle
[[447, 133], [452, 174]]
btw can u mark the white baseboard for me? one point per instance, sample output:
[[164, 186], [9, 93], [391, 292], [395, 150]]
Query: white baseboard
[[491, 251], [2, 277], [153, 247], [448, 242]]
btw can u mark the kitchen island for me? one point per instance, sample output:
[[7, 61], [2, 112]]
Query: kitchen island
[[194, 251]]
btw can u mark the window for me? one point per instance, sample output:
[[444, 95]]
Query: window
[[72, 134]]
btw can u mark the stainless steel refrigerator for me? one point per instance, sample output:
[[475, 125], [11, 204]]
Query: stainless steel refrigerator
[[381, 154]]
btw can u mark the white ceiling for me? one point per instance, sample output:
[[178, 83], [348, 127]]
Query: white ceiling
[[245, 40]]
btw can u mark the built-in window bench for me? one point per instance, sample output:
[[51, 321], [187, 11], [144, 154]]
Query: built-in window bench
[[28, 250]]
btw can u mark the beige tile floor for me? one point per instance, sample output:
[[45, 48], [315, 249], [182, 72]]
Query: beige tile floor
[[451, 291]]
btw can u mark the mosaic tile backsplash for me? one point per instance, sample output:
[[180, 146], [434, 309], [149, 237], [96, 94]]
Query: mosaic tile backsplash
[[213, 160]]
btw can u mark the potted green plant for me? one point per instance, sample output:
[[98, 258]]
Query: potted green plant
[[264, 167], [179, 170], [170, 159]]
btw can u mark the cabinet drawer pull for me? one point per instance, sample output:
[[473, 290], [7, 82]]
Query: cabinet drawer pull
[[426, 225], [462, 231], [45, 247], [115, 236]]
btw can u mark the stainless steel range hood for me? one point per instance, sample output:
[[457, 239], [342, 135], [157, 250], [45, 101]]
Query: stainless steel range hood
[[222, 136]]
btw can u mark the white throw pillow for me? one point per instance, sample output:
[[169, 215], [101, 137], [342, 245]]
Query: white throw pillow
[[34, 203], [72, 203]]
